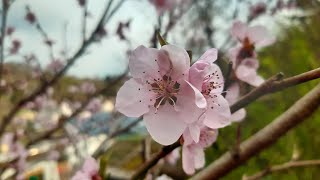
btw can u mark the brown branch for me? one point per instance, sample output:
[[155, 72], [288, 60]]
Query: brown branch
[[64, 119], [102, 148], [273, 84], [45, 85], [282, 167], [141, 172], [296, 114]]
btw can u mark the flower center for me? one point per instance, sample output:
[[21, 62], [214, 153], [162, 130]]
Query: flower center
[[246, 51], [166, 90], [210, 84]]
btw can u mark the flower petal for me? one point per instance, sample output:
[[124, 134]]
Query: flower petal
[[238, 30], [233, 93], [180, 61], [260, 36], [218, 112], [199, 157], [133, 99], [190, 103], [165, 126], [238, 115], [197, 72], [194, 132], [187, 160], [143, 64], [210, 56]]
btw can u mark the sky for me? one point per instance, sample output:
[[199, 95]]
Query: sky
[[107, 57], [62, 18]]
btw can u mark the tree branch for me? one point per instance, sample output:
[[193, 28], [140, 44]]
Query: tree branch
[[282, 167], [273, 84], [296, 114]]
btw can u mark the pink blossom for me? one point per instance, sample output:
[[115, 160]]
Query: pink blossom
[[159, 90], [163, 5], [88, 87], [207, 78], [243, 56], [89, 171], [55, 65], [257, 9], [233, 93], [94, 105], [193, 156]]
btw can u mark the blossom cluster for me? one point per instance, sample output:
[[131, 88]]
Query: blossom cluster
[[182, 101]]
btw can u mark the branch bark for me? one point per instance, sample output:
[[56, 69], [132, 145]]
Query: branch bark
[[282, 167], [296, 114]]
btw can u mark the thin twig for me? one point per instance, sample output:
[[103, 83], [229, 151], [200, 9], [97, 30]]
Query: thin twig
[[296, 114], [273, 84], [45, 85], [282, 167]]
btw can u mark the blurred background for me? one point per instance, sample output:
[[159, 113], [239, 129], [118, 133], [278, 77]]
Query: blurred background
[[63, 61]]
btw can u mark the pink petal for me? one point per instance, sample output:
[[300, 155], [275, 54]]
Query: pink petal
[[187, 139], [187, 160], [143, 64], [238, 115], [165, 126], [190, 103], [133, 99], [233, 54], [208, 137], [238, 30], [247, 72], [218, 112], [260, 36], [180, 61], [194, 132], [217, 78], [233, 93], [210, 56], [257, 81], [197, 72], [90, 166], [199, 157]]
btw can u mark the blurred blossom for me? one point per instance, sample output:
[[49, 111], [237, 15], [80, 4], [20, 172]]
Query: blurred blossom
[[55, 65], [88, 88], [257, 9], [94, 105], [15, 46], [53, 155], [73, 89], [10, 30], [65, 109], [243, 56], [163, 5], [163, 177], [30, 16], [89, 171], [81, 2]]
